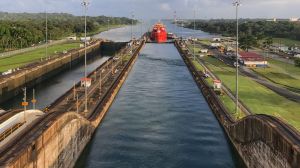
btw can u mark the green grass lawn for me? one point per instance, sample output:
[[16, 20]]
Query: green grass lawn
[[225, 99], [191, 47], [28, 57], [230, 106], [205, 42], [258, 98], [197, 65], [281, 73], [287, 42]]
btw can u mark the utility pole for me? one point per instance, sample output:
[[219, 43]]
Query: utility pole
[[33, 100], [237, 3], [74, 91], [85, 3], [77, 104], [25, 104], [175, 20], [132, 16], [194, 40], [46, 36], [107, 24], [100, 89], [141, 28]]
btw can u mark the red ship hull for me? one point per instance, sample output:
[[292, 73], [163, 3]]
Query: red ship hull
[[159, 33]]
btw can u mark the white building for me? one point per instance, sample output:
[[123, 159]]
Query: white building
[[272, 20], [83, 39], [215, 44], [204, 51], [297, 55], [216, 39], [294, 19], [72, 38]]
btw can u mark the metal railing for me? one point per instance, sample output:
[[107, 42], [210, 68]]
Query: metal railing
[[9, 131]]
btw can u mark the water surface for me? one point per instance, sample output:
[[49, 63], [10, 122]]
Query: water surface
[[159, 119]]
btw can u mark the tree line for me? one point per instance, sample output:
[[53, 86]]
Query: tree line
[[252, 32], [19, 30]]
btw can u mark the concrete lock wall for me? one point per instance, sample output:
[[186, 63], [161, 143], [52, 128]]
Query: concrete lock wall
[[261, 136], [13, 85], [59, 145], [260, 140]]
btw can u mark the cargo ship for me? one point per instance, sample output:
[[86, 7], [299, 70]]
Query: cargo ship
[[159, 33]]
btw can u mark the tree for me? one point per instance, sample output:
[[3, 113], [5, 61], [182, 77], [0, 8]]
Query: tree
[[246, 41], [297, 62], [268, 42], [24, 29]]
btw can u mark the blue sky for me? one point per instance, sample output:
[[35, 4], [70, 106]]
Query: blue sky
[[160, 9]]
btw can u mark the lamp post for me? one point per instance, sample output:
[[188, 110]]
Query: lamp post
[[142, 28], [237, 3], [194, 40], [175, 22], [132, 16], [107, 24], [46, 36], [85, 4]]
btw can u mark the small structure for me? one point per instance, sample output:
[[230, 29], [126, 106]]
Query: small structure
[[279, 48], [2, 111], [272, 20], [82, 39], [251, 59], [86, 82], [215, 45], [294, 19], [217, 39], [297, 55], [72, 38], [217, 85], [204, 51], [10, 71], [228, 48], [283, 48]]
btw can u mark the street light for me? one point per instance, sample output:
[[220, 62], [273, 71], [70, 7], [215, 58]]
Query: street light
[[194, 34], [142, 28], [46, 34], [85, 4], [237, 3], [107, 24], [175, 21], [132, 17]]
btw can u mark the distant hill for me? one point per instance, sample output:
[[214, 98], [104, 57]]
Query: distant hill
[[34, 16], [19, 30], [58, 17]]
